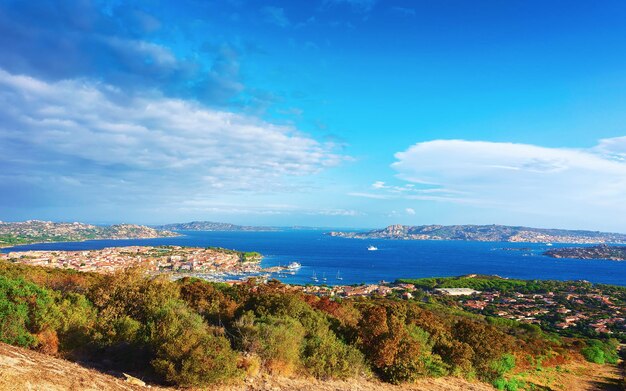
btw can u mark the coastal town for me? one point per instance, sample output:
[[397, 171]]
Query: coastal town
[[153, 259], [592, 311], [576, 309]]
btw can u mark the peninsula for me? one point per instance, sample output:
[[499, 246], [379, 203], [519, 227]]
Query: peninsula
[[35, 231], [485, 233], [212, 226], [603, 251]]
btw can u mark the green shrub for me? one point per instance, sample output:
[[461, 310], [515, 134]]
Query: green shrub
[[187, 353], [76, 320], [503, 365], [279, 343], [601, 352], [25, 309], [325, 356], [507, 385]]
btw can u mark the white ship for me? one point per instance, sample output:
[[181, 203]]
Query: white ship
[[372, 248], [294, 266]]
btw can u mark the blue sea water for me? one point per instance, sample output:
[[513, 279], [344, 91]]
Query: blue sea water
[[326, 256]]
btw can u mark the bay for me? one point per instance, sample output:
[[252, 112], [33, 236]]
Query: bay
[[327, 256]]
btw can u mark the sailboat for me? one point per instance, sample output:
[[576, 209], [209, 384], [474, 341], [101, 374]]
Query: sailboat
[[338, 276], [314, 277], [324, 276]]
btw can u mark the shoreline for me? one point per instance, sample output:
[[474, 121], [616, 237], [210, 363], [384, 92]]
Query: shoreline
[[2, 248]]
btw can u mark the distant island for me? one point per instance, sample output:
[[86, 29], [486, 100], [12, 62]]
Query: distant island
[[603, 251], [485, 233], [212, 226], [35, 231]]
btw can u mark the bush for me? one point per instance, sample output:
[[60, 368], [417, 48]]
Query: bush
[[600, 352], [77, 319], [25, 310], [507, 385], [503, 365], [187, 353], [279, 343], [325, 356], [205, 299]]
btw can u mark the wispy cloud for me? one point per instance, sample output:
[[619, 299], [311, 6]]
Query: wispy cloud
[[520, 177], [116, 44], [204, 206], [103, 142]]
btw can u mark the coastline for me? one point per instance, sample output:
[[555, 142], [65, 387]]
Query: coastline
[[3, 247]]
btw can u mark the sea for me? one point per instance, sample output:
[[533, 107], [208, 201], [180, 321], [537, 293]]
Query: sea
[[336, 260]]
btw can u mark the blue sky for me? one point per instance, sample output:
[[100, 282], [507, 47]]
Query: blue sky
[[357, 113]]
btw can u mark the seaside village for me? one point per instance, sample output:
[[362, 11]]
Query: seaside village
[[154, 259], [568, 309]]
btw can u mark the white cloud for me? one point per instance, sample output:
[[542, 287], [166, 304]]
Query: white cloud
[[613, 147], [520, 177], [94, 134], [410, 211], [378, 185], [203, 206]]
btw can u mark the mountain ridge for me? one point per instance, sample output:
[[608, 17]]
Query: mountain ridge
[[37, 231], [212, 226], [485, 233]]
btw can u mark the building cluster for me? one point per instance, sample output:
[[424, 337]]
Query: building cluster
[[381, 289], [584, 312], [557, 310], [169, 258]]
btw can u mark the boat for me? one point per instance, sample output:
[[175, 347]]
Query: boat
[[324, 276], [338, 276], [294, 266], [372, 248], [548, 244], [314, 277]]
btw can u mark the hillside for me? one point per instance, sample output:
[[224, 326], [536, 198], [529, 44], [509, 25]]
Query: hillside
[[23, 369], [485, 233], [34, 231], [211, 226]]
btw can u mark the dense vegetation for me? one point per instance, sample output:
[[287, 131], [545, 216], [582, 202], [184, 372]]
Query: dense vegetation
[[494, 283], [244, 256], [193, 333]]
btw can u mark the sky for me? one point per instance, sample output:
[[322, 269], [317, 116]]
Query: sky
[[335, 113]]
